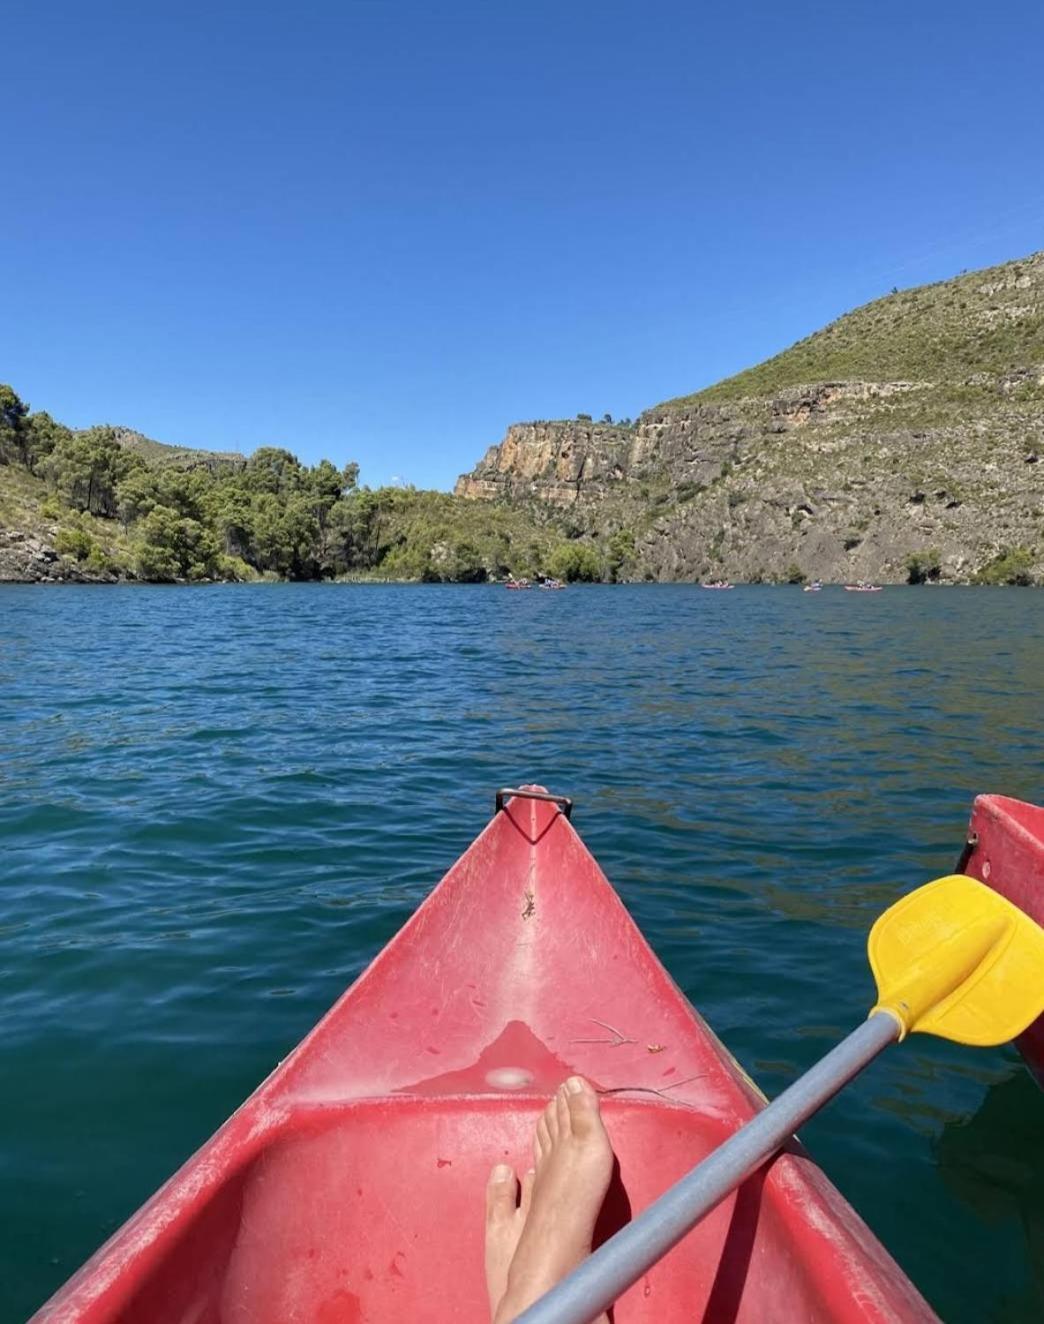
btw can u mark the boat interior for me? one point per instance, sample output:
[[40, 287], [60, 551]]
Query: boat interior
[[373, 1212]]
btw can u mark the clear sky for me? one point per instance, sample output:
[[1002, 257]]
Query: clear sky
[[385, 230]]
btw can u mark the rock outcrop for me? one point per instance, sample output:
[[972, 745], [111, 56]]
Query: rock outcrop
[[937, 472], [554, 462], [28, 558]]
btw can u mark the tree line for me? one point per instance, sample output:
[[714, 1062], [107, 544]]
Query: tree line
[[198, 516]]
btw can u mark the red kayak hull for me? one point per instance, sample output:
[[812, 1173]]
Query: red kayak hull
[[1005, 850], [348, 1188]]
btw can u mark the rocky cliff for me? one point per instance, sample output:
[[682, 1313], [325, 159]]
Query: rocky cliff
[[926, 463], [555, 462]]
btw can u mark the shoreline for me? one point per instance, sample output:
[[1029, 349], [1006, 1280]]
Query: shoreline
[[87, 580]]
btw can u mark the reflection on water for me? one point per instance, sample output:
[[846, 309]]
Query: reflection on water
[[993, 1163], [217, 804]]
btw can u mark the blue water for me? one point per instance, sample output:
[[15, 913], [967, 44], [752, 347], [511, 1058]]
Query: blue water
[[216, 804]]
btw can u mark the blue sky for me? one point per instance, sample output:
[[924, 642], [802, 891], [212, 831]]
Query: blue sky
[[385, 230]]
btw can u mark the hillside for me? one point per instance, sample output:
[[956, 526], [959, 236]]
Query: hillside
[[986, 322], [106, 504], [178, 457], [902, 441]]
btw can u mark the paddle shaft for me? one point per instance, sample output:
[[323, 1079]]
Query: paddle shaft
[[622, 1260]]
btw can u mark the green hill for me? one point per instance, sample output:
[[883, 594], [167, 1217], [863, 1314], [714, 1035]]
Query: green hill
[[986, 321], [178, 457]]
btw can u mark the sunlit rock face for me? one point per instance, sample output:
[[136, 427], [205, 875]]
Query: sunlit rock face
[[927, 463]]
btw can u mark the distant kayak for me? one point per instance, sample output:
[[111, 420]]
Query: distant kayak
[[862, 588], [813, 587], [721, 583], [517, 583]]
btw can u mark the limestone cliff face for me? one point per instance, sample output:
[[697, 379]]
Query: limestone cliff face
[[837, 479], [554, 462], [849, 481], [575, 462]]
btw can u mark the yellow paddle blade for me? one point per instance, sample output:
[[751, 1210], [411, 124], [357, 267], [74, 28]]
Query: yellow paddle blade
[[955, 959]]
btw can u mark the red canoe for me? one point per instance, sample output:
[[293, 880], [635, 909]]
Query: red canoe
[[348, 1188], [1005, 849]]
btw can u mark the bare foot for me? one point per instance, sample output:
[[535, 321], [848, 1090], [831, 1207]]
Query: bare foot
[[574, 1162], [505, 1218]]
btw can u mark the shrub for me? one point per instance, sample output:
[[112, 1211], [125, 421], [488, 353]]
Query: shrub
[[923, 566], [74, 541], [409, 563], [458, 562], [170, 547], [573, 561], [1012, 566], [100, 561], [620, 554], [156, 564], [234, 568]]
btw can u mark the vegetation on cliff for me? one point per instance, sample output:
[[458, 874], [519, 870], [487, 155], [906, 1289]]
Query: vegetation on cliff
[[982, 322]]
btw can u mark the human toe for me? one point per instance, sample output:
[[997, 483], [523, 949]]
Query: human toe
[[501, 1194], [582, 1105], [541, 1140], [561, 1102], [551, 1117], [526, 1198]]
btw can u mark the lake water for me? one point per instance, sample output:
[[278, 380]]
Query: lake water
[[216, 804]]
